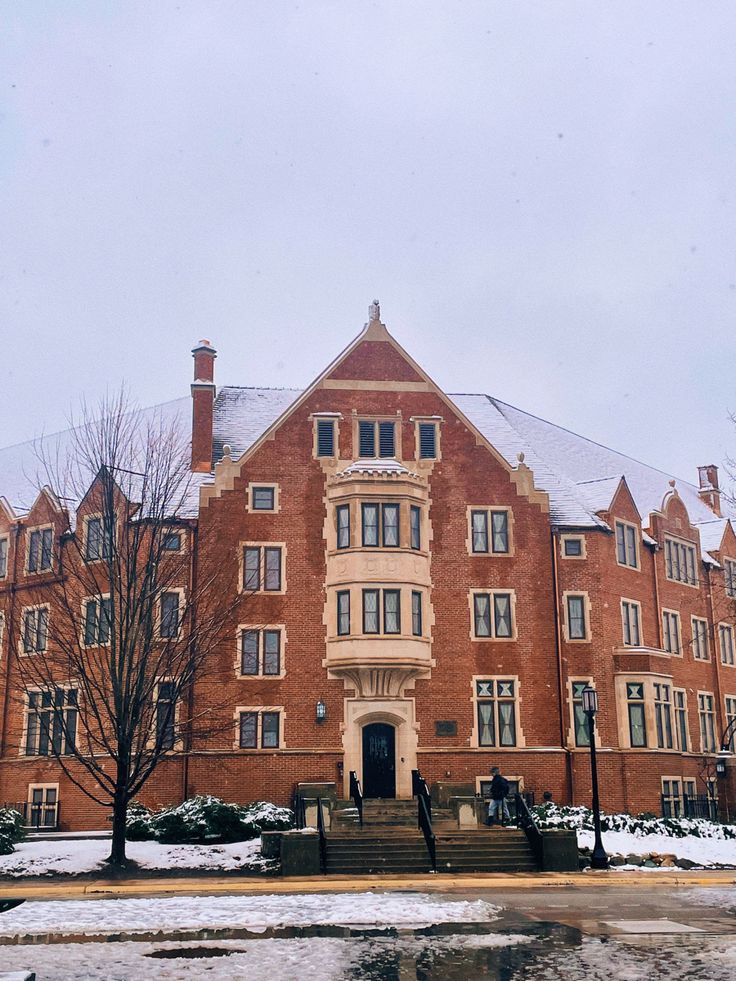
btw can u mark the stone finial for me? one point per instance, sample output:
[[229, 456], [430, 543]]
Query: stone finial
[[672, 483], [226, 450], [374, 311], [520, 457]]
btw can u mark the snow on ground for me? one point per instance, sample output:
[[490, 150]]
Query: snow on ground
[[255, 913], [261, 960], [704, 851], [70, 856]]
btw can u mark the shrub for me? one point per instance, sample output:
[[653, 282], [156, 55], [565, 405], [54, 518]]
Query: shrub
[[581, 818], [206, 820], [11, 829]]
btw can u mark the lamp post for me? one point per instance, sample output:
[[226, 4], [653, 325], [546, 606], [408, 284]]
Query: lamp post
[[599, 859]]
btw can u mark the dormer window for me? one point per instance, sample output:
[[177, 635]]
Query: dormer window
[[40, 543], [376, 439], [97, 539]]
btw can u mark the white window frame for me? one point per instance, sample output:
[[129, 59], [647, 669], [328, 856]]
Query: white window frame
[[260, 628], [637, 544], [259, 710], [21, 644], [29, 533]]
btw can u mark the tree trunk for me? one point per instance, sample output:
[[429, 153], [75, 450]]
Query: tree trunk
[[119, 813]]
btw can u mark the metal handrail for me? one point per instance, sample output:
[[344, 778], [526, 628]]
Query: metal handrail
[[425, 825], [525, 821], [322, 838], [356, 793]]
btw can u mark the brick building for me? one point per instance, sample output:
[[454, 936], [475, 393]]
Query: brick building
[[427, 581]]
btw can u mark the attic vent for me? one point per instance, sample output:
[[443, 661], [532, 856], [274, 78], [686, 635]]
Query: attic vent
[[367, 439], [427, 440], [386, 439], [325, 437]]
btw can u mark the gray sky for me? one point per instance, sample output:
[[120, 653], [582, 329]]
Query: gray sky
[[540, 193]]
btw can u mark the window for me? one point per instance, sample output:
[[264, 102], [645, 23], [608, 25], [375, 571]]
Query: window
[[51, 722], [572, 547], [97, 540], [729, 576], [700, 639], [489, 532], [380, 525], [672, 805], [725, 639], [627, 544], [260, 652], [40, 543], [671, 632], [730, 701], [381, 601], [706, 715], [631, 616], [262, 568], [170, 616], [326, 437], [97, 621], [165, 714], [637, 716], [681, 719], [259, 730], [663, 715], [680, 562], [415, 526], [43, 800], [374, 436], [35, 629], [496, 707], [427, 435], [580, 719], [416, 614], [493, 616], [172, 541], [343, 526], [3, 557], [343, 613], [576, 620], [263, 498], [2, 632]]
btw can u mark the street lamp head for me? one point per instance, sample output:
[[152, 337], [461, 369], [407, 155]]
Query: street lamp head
[[321, 711], [590, 700], [721, 762]]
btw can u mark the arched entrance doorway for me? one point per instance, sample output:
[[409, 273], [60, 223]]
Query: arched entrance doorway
[[379, 760]]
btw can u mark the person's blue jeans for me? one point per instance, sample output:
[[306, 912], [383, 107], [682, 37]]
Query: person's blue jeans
[[498, 808]]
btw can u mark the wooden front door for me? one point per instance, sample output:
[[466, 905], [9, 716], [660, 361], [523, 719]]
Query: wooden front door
[[379, 760]]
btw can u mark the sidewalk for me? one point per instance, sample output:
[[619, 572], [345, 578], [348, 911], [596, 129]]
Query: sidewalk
[[42, 889]]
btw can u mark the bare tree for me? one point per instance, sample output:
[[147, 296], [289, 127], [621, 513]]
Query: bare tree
[[132, 620]]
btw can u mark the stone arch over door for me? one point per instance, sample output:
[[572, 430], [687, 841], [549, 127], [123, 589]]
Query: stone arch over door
[[399, 713]]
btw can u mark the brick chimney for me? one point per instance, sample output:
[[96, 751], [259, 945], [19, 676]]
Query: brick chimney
[[710, 492], [203, 400]]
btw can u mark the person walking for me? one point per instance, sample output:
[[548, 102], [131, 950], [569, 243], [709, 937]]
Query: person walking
[[497, 806]]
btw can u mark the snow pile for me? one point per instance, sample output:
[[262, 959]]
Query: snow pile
[[81, 856], [206, 819], [256, 913], [576, 818]]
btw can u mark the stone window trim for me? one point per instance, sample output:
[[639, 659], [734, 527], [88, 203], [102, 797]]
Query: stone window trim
[[64, 686], [427, 461], [727, 650], [94, 516], [729, 576], [672, 792], [41, 786], [183, 540], [266, 485], [491, 592], [647, 681], [259, 710], [260, 628], [29, 534], [670, 543], [486, 778], [396, 419], [97, 598], [2, 632], [680, 706], [573, 538], [729, 706], [570, 594], [474, 735], [5, 556], [241, 568], [355, 593], [637, 604], [355, 504], [625, 525], [23, 613], [711, 712], [489, 509], [671, 619], [178, 743], [704, 633], [335, 418], [572, 742], [181, 592]]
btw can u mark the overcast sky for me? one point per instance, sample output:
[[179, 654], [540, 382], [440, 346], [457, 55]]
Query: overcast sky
[[540, 193]]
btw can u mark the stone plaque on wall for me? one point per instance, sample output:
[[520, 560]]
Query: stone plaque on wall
[[445, 728]]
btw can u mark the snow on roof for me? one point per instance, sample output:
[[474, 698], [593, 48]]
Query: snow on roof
[[244, 414], [391, 468], [711, 533]]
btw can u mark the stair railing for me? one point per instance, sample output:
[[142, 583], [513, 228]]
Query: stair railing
[[357, 794], [525, 821], [322, 838], [420, 790]]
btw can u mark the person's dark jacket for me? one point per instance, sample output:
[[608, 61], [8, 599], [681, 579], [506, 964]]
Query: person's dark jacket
[[499, 787]]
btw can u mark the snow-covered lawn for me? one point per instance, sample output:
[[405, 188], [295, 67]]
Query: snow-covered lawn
[[79, 856], [704, 851], [257, 913]]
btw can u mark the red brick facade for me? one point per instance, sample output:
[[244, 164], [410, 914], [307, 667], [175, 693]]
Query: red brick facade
[[407, 680]]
